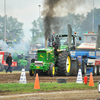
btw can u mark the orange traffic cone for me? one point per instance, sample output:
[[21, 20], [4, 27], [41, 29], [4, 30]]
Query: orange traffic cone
[[36, 85], [91, 83]]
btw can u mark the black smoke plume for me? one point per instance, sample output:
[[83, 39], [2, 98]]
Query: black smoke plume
[[53, 9]]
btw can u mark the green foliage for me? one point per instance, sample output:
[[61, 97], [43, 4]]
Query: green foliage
[[37, 29], [14, 28], [88, 21], [44, 87], [1, 36], [9, 37]]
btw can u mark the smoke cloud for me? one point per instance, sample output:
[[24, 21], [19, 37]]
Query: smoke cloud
[[19, 47], [57, 8]]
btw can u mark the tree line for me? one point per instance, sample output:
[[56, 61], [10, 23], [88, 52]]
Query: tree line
[[14, 28], [80, 23]]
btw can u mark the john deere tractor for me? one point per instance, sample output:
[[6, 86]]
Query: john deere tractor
[[22, 60], [56, 58]]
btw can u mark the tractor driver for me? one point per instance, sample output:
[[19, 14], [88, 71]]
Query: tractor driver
[[55, 46], [66, 42]]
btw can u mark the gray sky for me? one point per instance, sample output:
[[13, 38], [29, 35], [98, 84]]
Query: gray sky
[[27, 10]]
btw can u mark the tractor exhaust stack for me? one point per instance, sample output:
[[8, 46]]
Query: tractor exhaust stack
[[69, 35], [98, 38], [46, 43]]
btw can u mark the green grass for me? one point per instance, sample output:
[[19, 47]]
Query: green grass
[[14, 88]]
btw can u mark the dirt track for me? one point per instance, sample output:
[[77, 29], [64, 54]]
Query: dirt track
[[15, 77], [62, 95]]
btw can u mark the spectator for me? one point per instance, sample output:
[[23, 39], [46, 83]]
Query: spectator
[[9, 62]]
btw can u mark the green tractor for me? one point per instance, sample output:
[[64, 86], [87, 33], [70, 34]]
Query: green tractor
[[56, 58], [21, 59]]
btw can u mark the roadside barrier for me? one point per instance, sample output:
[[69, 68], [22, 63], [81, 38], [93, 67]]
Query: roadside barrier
[[85, 80], [36, 85], [23, 77], [91, 83], [79, 77]]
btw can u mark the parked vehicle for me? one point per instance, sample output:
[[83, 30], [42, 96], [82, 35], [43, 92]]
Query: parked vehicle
[[88, 53], [3, 65]]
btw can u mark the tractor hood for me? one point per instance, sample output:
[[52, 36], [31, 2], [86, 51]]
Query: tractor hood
[[87, 46], [45, 54], [48, 49]]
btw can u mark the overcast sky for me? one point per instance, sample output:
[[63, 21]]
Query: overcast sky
[[27, 10]]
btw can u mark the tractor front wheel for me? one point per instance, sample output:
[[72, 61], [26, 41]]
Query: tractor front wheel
[[33, 60], [1, 67], [52, 70], [31, 72]]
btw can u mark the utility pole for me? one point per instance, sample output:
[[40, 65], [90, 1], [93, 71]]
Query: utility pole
[[93, 15], [39, 22], [4, 20], [39, 10]]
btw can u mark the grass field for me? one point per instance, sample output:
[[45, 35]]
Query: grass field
[[16, 88]]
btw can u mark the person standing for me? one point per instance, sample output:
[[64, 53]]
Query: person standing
[[9, 62]]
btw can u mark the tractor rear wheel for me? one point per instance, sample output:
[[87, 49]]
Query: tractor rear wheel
[[52, 70], [64, 63], [1, 67], [31, 73]]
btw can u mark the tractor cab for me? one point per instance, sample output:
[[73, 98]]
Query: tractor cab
[[90, 37], [63, 40], [90, 42]]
